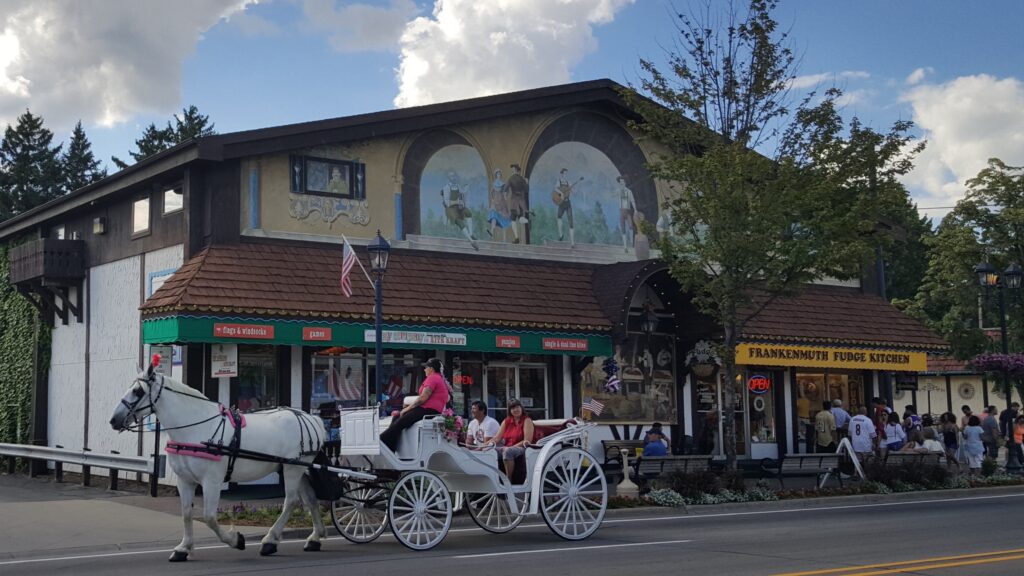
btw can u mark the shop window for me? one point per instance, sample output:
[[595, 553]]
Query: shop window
[[402, 376], [140, 216], [258, 384], [762, 407], [645, 390], [468, 380], [339, 379]]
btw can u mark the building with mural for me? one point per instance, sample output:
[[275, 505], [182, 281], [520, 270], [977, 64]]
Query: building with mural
[[520, 258]]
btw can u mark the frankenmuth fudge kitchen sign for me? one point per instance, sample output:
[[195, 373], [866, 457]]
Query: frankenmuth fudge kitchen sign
[[821, 357]]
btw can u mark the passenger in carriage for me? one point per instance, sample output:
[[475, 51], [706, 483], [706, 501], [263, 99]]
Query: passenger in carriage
[[482, 428], [515, 433], [431, 401]]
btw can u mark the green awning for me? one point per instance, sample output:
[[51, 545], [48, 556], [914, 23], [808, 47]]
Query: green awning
[[207, 329]]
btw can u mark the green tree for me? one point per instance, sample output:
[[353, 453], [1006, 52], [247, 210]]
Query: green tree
[[191, 124], [30, 168], [750, 228], [987, 225], [81, 168]]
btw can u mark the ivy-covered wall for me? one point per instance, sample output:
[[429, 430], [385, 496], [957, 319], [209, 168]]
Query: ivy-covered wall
[[20, 333]]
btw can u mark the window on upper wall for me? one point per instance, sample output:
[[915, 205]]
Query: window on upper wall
[[58, 232], [140, 216], [174, 200]]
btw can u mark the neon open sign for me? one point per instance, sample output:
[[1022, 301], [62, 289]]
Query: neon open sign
[[759, 384]]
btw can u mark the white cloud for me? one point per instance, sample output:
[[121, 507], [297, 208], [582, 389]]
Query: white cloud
[[253, 25], [966, 121], [103, 62], [816, 80], [360, 27], [917, 76], [472, 48]]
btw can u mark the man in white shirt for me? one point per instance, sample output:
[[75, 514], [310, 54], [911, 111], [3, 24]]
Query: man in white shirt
[[842, 417], [481, 427], [862, 433]]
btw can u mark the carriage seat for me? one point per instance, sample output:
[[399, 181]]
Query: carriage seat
[[409, 442], [541, 430]]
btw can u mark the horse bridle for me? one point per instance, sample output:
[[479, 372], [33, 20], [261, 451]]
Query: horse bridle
[[139, 392]]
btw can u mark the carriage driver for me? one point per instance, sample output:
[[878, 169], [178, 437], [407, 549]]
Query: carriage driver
[[431, 401]]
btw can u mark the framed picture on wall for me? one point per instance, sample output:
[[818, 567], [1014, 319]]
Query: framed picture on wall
[[327, 177]]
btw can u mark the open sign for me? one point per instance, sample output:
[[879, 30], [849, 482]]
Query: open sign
[[759, 384]]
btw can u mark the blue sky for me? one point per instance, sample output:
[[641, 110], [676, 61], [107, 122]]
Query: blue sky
[[955, 68]]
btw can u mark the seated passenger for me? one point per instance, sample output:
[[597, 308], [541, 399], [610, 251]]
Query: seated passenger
[[432, 400], [515, 433], [482, 428]]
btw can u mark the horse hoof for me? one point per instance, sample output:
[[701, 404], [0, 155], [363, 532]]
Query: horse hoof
[[268, 549], [178, 556], [311, 546], [241, 541]]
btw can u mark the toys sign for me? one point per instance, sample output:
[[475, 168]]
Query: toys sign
[[759, 383]]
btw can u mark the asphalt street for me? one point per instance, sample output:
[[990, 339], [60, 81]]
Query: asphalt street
[[941, 533]]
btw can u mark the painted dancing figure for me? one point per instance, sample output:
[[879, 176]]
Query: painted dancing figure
[[454, 202], [562, 196], [499, 216], [518, 191], [627, 207]]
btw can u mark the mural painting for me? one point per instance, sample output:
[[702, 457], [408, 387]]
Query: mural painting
[[578, 196], [643, 389], [454, 194]]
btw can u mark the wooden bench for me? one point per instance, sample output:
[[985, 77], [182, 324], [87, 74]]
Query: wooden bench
[[650, 467], [613, 456], [914, 458], [820, 466]]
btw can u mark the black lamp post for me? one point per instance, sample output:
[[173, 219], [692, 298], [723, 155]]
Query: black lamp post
[[379, 250], [1010, 279]]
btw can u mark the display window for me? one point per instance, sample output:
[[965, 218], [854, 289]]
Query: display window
[[258, 384], [814, 388]]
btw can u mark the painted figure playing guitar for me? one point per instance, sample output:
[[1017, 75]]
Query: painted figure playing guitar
[[562, 196]]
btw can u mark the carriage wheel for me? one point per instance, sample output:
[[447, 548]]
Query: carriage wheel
[[420, 510], [361, 517], [573, 494], [492, 512]]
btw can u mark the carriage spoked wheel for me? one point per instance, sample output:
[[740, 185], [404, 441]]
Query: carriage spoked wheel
[[492, 511], [362, 515], [573, 494], [420, 510]]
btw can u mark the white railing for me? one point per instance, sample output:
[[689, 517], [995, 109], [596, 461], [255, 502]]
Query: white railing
[[87, 459]]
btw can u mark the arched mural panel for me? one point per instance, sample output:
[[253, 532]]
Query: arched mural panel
[[453, 193]]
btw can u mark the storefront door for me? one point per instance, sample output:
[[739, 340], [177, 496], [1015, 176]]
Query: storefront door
[[708, 427], [527, 382]]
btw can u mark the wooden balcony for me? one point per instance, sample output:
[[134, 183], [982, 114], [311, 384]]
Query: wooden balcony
[[45, 271]]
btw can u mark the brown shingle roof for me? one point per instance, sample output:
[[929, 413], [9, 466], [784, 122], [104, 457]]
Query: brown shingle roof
[[835, 314], [420, 287]]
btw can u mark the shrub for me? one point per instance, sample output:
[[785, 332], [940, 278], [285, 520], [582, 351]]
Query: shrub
[[733, 481], [902, 475], [693, 484], [625, 502], [988, 467], [665, 497]]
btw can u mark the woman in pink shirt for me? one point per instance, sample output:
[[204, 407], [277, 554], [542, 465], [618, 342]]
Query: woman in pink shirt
[[432, 399]]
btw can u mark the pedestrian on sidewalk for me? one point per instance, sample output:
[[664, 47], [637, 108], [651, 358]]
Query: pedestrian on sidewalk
[[973, 444], [825, 428], [862, 434], [950, 441], [990, 433], [893, 435]]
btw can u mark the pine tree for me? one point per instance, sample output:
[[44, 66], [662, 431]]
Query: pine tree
[[81, 168], [191, 124], [30, 166]]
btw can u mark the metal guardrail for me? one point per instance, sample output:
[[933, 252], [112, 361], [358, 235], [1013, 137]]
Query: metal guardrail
[[114, 462]]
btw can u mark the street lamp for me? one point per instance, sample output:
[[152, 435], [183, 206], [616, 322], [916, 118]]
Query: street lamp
[[379, 250], [1010, 279]]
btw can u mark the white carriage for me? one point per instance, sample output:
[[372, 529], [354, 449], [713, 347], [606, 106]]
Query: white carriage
[[411, 489]]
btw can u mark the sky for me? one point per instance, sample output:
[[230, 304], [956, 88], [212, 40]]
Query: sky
[[955, 68]]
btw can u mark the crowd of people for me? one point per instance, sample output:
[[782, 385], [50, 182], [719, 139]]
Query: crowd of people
[[878, 430]]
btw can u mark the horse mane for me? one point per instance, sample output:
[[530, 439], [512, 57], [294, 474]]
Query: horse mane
[[182, 388]]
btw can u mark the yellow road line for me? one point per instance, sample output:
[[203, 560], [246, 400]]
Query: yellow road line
[[904, 563], [945, 565]]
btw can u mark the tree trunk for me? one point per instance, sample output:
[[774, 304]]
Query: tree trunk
[[728, 356]]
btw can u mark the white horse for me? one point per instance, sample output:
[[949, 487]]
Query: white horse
[[190, 420]]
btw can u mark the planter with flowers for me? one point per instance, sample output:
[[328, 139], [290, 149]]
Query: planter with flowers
[[998, 364], [453, 426]]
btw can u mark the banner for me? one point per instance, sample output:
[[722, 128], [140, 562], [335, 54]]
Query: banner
[[822, 357]]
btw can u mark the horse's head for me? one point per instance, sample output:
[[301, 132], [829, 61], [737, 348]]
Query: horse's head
[[138, 402]]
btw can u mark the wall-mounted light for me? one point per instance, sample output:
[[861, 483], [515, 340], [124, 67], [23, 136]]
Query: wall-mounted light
[[99, 225]]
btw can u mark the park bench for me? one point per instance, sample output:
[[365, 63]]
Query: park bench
[[913, 458], [650, 467], [613, 455], [821, 466]]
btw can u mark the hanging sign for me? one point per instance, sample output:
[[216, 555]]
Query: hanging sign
[[316, 334], [223, 360], [254, 331], [408, 337], [568, 344], [506, 341], [759, 384], [822, 357]]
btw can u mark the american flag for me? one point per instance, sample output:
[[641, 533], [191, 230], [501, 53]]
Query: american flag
[[593, 405], [348, 261]]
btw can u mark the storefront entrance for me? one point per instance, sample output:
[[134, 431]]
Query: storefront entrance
[[814, 388], [503, 381], [754, 404]]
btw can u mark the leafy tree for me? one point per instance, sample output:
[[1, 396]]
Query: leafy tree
[[81, 168], [191, 124], [30, 168], [750, 228], [987, 225]]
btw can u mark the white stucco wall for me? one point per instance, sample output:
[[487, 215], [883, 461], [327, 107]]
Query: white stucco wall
[[65, 421]]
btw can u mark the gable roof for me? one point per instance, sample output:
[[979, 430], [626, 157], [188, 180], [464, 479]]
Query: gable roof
[[220, 147]]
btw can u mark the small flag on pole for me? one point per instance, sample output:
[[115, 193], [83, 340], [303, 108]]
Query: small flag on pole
[[593, 405], [348, 260]]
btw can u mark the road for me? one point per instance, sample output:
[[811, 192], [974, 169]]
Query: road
[[964, 533]]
